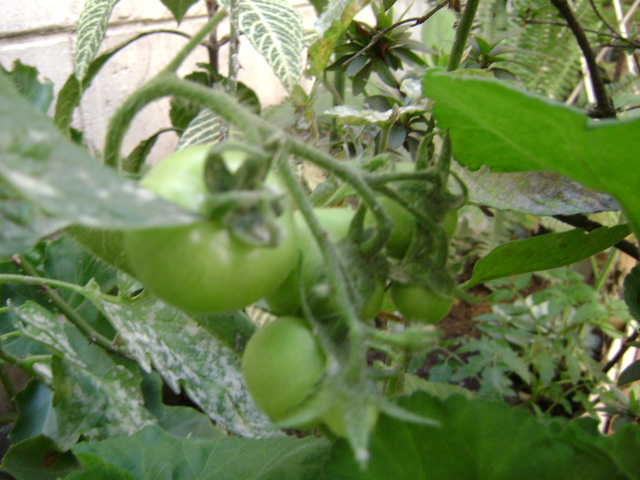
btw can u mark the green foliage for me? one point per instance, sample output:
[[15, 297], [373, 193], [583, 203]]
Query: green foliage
[[107, 356], [480, 439], [543, 348]]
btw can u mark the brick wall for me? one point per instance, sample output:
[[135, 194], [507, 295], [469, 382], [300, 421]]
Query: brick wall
[[42, 33]]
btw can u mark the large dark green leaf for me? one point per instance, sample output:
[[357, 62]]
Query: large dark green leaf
[[153, 454], [39, 458], [62, 181], [544, 252], [478, 440], [508, 130], [36, 413]]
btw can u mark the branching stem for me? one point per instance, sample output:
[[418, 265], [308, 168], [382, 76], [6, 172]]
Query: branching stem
[[604, 106]]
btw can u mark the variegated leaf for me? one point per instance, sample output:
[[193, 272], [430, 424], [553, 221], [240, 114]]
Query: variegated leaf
[[274, 28], [92, 27], [205, 128], [334, 20]]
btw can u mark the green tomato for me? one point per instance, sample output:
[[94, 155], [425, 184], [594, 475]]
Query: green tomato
[[335, 221], [282, 364], [201, 267], [420, 304]]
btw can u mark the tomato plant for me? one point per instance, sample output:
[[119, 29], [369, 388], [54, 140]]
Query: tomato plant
[[335, 221], [282, 364], [419, 304], [202, 266]]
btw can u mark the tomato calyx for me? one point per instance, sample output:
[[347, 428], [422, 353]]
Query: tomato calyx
[[239, 197]]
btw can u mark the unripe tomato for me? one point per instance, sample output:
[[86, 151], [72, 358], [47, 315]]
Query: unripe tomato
[[282, 364], [417, 303], [335, 221], [202, 267]]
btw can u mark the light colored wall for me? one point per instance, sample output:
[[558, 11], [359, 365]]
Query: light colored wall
[[42, 33]]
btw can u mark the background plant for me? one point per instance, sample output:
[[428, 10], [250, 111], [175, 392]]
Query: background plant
[[101, 352]]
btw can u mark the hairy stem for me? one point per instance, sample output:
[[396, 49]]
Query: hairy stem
[[462, 34], [169, 84]]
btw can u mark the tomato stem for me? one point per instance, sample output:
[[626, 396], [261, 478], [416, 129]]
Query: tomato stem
[[168, 84], [32, 278]]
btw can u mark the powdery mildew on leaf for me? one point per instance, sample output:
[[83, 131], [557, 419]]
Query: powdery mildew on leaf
[[93, 397], [536, 193], [187, 356], [92, 27], [43, 327], [61, 179], [95, 406]]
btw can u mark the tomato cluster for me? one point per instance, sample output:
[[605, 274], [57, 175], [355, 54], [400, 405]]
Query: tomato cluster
[[204, 267]]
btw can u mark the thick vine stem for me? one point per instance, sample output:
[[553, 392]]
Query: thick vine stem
[[462, 34], [169, 84], [357, 181], [334, 271]]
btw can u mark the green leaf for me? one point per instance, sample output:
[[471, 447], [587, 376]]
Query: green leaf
[[333, 22], [25, 79], [100, 472], [39, 458], [92, 27], [274, 28], [479, 440], [183, 422], [544, 252], [36, 415], [630, 374], [153, 454], [63, 181], [535, 193], [178, 7], [107, 245], [71, 92], [632, 291], [188, 357], [96, 404], [509, 130], [22, 224], [206, 128], [94, 398]]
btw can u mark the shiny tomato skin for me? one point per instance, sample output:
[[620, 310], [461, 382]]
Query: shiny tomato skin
[[335, 221], [286, 299], [201, 267], [420, 304], [282, 364]]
